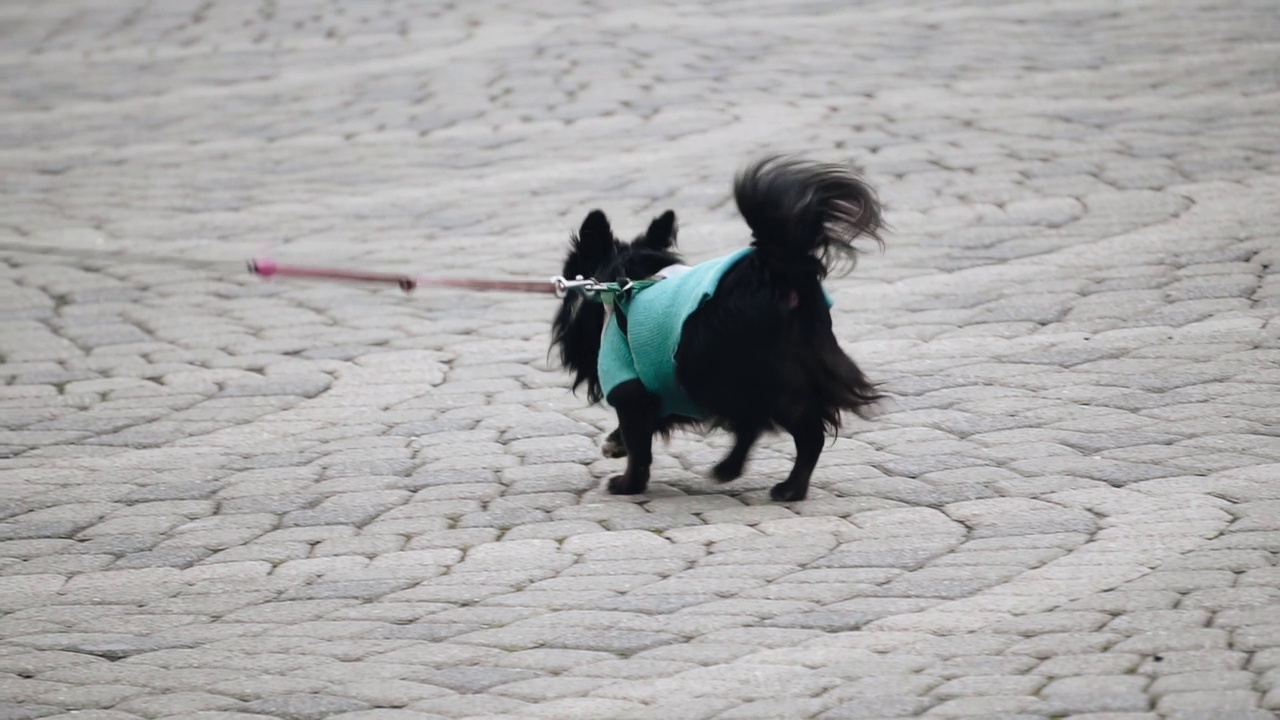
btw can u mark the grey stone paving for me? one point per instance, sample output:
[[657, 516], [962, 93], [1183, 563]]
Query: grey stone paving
[[223, 499]]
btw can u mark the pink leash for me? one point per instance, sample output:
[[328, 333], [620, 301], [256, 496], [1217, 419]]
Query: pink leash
[[266, 267]]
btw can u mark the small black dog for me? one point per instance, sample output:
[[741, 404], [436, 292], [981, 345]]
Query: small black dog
[[750, 333]]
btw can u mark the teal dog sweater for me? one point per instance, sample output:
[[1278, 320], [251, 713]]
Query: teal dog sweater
[[655, 320]]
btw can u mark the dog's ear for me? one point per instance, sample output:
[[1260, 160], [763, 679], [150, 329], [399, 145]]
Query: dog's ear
[[594, 244], [661, 234]]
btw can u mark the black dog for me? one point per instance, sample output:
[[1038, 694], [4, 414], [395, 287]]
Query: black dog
[[753, 347]]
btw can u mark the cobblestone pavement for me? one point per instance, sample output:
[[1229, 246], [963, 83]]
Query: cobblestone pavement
[[225, 499]]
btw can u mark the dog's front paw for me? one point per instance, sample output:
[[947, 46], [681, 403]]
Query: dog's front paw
[[782, 492], [623, 485], [613, 446]]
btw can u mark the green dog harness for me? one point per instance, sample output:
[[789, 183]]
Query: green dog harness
[[655, 319]]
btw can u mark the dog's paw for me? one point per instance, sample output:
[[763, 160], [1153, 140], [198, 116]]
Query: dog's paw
[[726, 471], [786, 493], [623, 485], [613, 446]]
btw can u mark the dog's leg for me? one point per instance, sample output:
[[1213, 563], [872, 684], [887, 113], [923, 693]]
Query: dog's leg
[[613, 446], [638, 413], [730, 468], [809, 436]]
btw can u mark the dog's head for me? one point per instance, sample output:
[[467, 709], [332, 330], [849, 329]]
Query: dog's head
[[594, 253]]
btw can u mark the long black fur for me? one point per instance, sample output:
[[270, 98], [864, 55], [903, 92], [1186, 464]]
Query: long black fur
[[760, 354]]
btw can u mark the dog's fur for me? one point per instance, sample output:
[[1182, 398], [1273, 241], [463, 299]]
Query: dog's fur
[[759, 354]]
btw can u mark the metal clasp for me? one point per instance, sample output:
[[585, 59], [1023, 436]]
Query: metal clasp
[[579, 284]]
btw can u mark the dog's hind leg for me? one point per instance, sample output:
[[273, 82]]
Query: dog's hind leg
[[809, 435], [730, 468], [639, 412]]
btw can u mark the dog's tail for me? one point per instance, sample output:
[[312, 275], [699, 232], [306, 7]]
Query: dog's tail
[[805, 217], [799, 209]]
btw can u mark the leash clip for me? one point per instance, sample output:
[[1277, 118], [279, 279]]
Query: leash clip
[[596, 290], [587, 287]]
